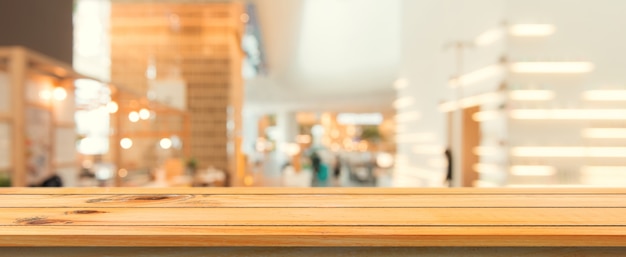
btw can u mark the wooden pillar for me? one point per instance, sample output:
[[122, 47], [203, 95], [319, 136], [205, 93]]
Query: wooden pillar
[[17, 71], [236, 159], [471, 140]]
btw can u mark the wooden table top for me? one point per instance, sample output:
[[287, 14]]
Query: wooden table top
[[312, 217]]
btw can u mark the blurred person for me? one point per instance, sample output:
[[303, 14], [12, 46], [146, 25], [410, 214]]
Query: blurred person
[[448, 154]]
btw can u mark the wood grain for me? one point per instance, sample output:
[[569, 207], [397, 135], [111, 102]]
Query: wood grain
[[318, 191], [312, 217], [311, 201], [313, 251]]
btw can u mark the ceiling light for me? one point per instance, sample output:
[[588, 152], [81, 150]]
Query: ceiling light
[[551, 67], [605, 95], [532, 170], [604, 133], [476, 76], [531, 95], [531, 30], [569, 114]]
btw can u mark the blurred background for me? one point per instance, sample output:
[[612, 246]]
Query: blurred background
[[313, 93]]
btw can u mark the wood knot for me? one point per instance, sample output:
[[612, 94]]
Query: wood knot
[[41, 221], [149, 198], [84, 212], [139, 198]]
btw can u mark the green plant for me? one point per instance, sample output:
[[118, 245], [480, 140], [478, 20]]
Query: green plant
[[5, 180], [192, 163], [371, 133]]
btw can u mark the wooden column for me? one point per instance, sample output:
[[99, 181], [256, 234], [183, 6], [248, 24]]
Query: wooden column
[[471, 140], [17, 71]]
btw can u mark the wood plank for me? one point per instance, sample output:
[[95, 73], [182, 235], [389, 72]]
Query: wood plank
[[308, 236], [314, 251], [308, 201], [320, 191], [314, 217]]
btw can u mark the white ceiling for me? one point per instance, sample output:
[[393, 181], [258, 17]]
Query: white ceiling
[[328, 53]]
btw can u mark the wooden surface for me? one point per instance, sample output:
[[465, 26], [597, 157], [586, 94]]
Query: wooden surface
[[312, 217], [313, 251]]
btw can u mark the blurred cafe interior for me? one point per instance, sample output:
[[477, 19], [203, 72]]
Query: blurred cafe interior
[[312, 93]]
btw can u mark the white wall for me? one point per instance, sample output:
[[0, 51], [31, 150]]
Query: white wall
[[586, 31], [428, 26]]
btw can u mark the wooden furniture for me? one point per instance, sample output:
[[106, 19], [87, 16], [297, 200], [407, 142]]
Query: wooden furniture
[[164, 121], [274, 217], [36, 116], [198, 43]]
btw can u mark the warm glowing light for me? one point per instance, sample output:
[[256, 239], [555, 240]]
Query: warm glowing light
[[489, 37], [165, 143], [486, 115], [476, 76], [112, 107], [133, 116], [292, 149], [334, 134], [144, 114], [351, 130], [45, 94], [403, 102], [303, 139], [551, 67], [126, 143], [569, 114], [532, 30], [244, 17], [384, 160], [486, 168], [401, 83], [605, 133], [605, 95], [532, 170], [531, 95], [326, 118], [569, 151], [248, 180], [485, 150], [122, 173], [59, 93]]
